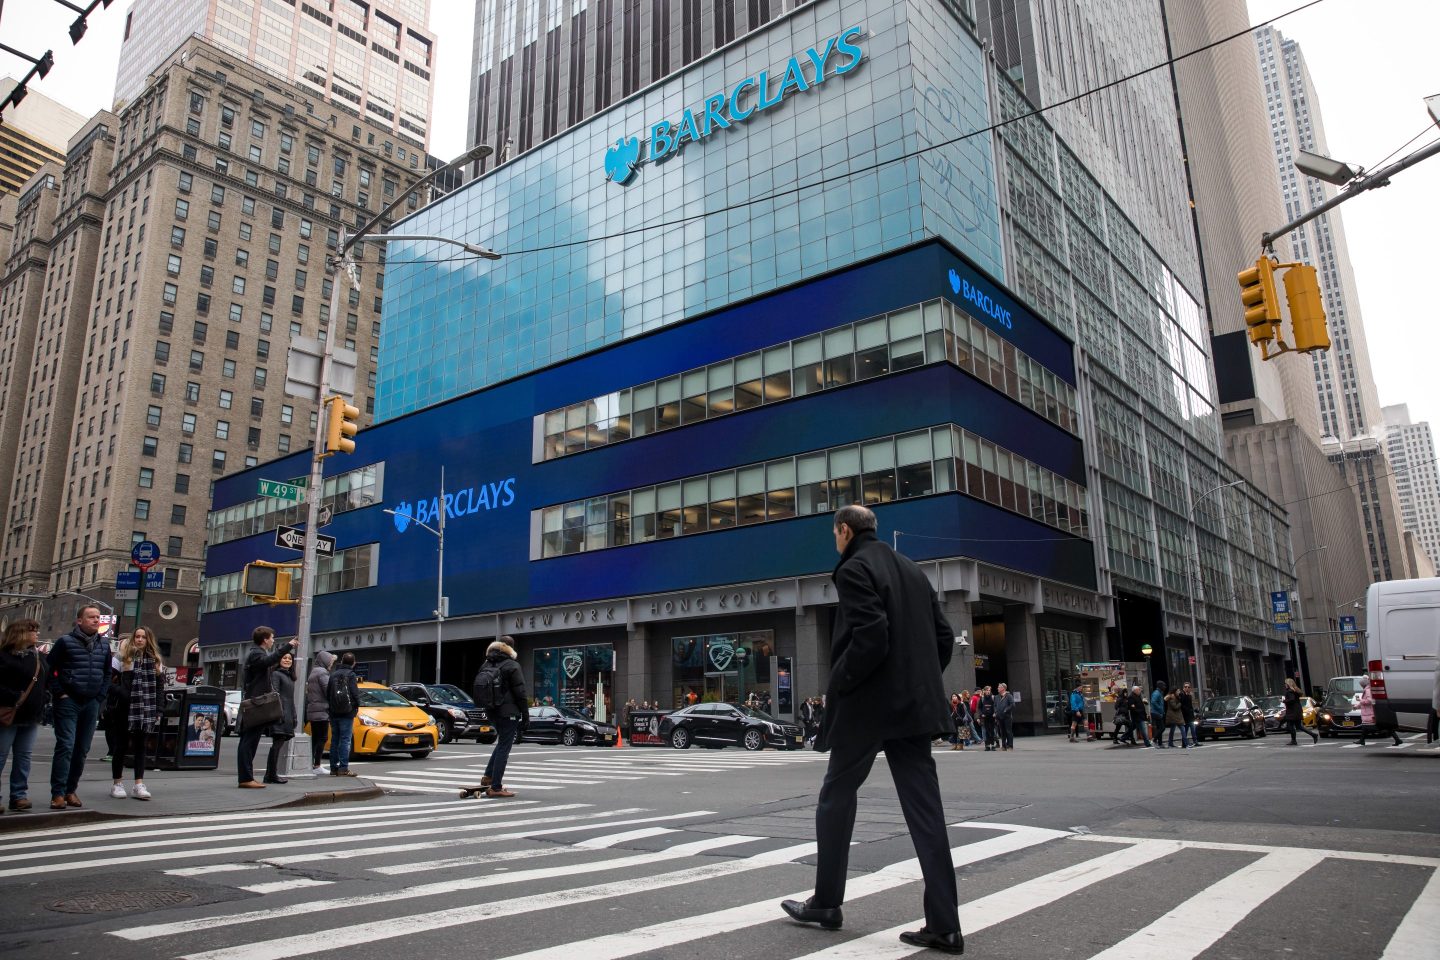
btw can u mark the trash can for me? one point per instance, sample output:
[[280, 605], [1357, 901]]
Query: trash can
[[190, 722]]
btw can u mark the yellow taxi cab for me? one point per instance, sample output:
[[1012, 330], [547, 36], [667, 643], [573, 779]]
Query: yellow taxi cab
[[388, 723]]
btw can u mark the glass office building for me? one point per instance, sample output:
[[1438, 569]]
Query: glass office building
[[859, 293]]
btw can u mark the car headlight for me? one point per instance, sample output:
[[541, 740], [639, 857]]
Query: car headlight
[[370, 721], [1325, 717], [429, 721], [457, 713]]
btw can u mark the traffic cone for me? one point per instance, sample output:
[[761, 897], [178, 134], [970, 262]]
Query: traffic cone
[[619, 738]]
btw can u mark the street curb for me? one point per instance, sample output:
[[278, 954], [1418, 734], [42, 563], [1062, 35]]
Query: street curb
[[12, 822]]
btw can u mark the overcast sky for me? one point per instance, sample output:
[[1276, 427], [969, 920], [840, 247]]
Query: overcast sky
[[1372, 61]]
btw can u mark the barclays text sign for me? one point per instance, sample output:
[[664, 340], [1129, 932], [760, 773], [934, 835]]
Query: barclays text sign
[[458, 504], [835, 57]]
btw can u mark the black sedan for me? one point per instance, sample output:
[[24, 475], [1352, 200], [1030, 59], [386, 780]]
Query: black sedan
[[1340, 715], [1230, 717], [721, 724], [563, 725]]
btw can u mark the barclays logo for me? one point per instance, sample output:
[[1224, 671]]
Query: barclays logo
[[723, 109], [982, 301], [461, 503]]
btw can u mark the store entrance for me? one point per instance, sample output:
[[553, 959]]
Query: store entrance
[[988, 635]]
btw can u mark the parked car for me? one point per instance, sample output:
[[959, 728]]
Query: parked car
[[722, 724], [563, 725], [388, 723], [1274, 708], [232, 712], [456, 715], [1229, 717], [1340, 712]]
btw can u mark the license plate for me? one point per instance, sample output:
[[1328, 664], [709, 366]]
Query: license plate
[[412, 740], [799, 739], [1219, 729], [1349, 723]]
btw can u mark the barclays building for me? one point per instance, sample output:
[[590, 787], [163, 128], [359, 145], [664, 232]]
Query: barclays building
[[802, 272]]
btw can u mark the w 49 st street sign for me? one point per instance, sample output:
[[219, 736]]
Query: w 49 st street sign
[[289, 490], [293, 538]]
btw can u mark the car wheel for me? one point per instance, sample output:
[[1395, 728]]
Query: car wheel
[[570, 737], [447, 730], [680, 738], [753, 740], [1264, 732], [420, 754]]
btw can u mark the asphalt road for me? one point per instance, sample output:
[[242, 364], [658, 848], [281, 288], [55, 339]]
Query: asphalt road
[[1240, 849]]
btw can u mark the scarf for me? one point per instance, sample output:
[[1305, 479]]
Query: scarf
[[144, 707]]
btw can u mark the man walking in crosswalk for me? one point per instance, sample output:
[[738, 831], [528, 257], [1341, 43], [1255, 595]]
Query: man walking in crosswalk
[[888, 647]]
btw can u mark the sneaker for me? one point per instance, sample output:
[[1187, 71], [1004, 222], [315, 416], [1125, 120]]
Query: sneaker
[[140, 793], [118, 791], [317, 771]]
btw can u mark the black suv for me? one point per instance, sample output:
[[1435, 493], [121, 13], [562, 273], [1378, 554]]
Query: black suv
[[455, 713]]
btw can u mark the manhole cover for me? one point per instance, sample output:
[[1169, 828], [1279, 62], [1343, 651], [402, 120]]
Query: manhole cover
[[122, 901]]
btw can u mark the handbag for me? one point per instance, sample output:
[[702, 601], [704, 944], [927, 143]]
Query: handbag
[[7, 714], [260, 711]]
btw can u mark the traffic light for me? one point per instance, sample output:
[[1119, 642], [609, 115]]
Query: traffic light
[[268, 582], [1307, 309], [341, 425], [1262, 306]]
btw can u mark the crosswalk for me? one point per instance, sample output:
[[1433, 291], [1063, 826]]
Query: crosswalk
[[1412, 741], [560, 769], [550, 881]]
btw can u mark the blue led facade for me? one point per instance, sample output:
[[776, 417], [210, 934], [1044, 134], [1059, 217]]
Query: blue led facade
[[453, 324]]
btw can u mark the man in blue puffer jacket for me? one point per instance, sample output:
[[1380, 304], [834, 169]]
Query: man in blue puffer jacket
[[80, 679]]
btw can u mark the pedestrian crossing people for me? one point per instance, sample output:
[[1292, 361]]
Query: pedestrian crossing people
[[500, 687], [889, 645], [23, 672], [317, 712], [1368, 726], [255, 682], [987, 717], [79, 680], [1005, 717], [1294, 715], [342, 700], [135, 712], [1175, 719], [282, 731], [1077, 712], [1157, 711]]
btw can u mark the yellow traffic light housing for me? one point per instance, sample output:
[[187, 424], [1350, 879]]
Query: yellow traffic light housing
[[1262, 306], [1307, 309], [341, 426], [266, 582]]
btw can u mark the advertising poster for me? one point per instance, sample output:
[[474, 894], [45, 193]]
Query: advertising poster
[[202, 727]]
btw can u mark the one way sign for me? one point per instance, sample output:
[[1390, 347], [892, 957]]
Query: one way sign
[[293, 538]]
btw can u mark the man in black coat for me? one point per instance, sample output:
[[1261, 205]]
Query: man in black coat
[[510, 710], [889, 645], [255, 681], [79, 679]]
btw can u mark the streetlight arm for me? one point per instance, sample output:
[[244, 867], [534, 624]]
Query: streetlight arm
[[418, 523], [471, 248], [479, 152]]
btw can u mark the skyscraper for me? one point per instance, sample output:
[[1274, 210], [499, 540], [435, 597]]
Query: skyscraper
[[376, 60], [154, 285], [1412, 455], [34, 132], [542, 66], [1350, 417]]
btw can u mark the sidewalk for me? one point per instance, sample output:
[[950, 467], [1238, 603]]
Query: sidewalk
[[173, 792]]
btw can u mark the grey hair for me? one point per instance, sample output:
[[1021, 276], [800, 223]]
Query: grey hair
[[859, 519]]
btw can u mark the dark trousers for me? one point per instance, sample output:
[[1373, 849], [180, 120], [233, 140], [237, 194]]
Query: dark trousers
[[278, 745], [1297, 726], [1007, 731], [245, 753], [913, 769], [989, 732], [505, 730], [134, 739], [319, 731], [74, 726]]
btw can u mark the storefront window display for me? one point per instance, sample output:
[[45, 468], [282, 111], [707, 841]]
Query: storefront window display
[[1219, 672], [573, 676], [707, 667], [1060, 651]]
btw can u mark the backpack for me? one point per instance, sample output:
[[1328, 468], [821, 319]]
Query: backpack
[[490, 686], [337, 694]]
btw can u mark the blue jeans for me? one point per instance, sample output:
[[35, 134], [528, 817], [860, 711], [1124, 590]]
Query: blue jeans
[[1184, 729], [74, 728], [505, 729], [20, 739], [342, 740]]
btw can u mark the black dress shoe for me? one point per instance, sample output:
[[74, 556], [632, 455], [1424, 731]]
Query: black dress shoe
[[828, 917], [948, 942], [276, 780]]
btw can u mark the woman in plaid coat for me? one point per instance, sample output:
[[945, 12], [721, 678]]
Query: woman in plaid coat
[[135, 707]]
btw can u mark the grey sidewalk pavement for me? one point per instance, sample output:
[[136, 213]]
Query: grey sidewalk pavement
[[173, 792]]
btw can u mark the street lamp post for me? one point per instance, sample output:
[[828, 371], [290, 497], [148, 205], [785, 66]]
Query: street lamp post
[[1295, 635], [342, 263], [1194, 630], [742, 657], [442, 603]]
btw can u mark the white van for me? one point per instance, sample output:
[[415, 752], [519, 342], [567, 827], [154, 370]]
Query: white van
[[1402, 643]]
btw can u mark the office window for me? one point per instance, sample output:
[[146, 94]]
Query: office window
[[174, 547], [157, 384], [227, 399], [142, 509], [185, 453], [169, 293], [177, 514], [177, 236], [152, 416], [197, 360], [202, 330], [192, 392], [147, 477], [217, 462], [222, 429], [182, 483], [187, 424], [162, 351]]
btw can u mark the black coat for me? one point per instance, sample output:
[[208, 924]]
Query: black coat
[[81, 666], [889, 644], [255, 680], [283, 684], [1293, 713], [516, 703], [17, 670]]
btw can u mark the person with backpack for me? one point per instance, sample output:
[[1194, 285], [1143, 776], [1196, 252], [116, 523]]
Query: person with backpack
[[500, 690], [1077, 713], [255, 682], [342, 699]]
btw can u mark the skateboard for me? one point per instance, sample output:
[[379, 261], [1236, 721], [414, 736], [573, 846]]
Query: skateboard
[[470, 793]]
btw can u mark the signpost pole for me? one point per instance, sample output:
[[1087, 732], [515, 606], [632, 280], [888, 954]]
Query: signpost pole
[[440, 581]]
